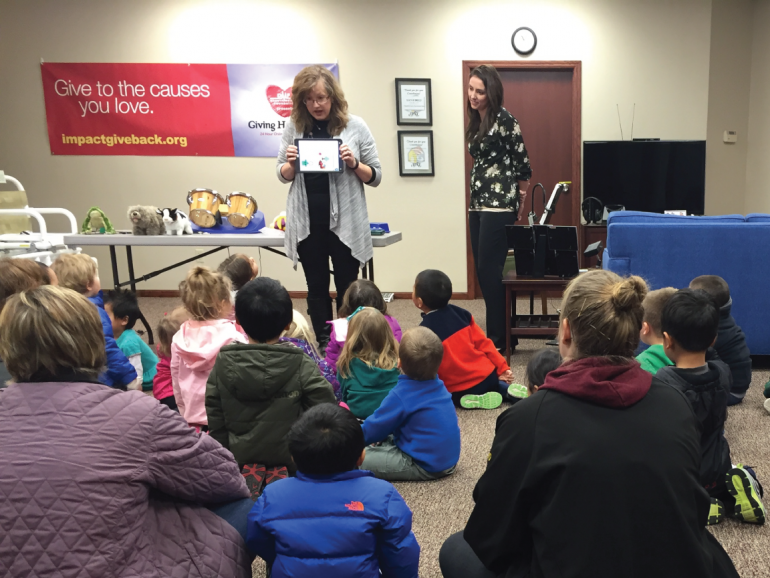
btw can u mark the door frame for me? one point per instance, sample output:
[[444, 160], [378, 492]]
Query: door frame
[[574, 66]]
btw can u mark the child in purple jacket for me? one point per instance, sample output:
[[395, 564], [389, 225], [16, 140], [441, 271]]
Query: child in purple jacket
[[361, 293], [301, 335]]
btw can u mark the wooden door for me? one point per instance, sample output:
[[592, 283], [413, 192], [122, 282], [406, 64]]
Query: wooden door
[[545, 99]]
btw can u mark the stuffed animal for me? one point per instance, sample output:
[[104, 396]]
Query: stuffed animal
[[175, 221], [97, 222], [146, 220], [280, 221]]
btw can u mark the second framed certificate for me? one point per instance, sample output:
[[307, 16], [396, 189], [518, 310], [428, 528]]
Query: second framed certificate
[[413, 101], [415, 153]]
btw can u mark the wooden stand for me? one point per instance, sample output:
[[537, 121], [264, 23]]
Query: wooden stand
[[530, 325]]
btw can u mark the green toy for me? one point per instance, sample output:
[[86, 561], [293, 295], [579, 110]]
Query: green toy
[[97, 223]]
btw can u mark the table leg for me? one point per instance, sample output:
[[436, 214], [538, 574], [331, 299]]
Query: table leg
[[114, 260], [130, 259]]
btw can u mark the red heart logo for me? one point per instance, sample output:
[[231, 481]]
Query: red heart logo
[[279, 99]]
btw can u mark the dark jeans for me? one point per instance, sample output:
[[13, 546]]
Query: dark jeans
[[235, 513], [489, 244], [458, 560], [315, 252], [170, 402], [489, 383]]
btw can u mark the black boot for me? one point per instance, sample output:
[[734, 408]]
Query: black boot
[[320, 311]]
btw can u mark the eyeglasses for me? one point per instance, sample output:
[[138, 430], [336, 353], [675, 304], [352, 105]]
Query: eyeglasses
[[323, 100]]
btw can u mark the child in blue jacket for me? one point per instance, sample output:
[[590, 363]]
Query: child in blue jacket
[[79, 273], [416, 422], [333, 520]]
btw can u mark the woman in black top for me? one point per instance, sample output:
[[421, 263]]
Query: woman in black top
[[499, 181]]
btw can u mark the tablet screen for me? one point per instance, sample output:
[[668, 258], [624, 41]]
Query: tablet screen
[[318, 155]]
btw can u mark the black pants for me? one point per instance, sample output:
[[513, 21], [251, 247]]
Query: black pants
[[489, 244], [458, 560], [314, 253]]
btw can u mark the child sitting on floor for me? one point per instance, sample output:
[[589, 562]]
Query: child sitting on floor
[[333, 520], [539, 366], [257, 390], [301, 334], [472, 369], [79, 273], [162, 387], [654, 358], [417, 422], [368, 366], [361, 293], [194, 348], [124, 312], [731, 342], [240, 269], [690, 321]]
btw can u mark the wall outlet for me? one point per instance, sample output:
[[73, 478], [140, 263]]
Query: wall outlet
[[730, 136]]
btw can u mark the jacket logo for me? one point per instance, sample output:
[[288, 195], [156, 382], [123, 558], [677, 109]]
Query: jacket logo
[[355, 506]]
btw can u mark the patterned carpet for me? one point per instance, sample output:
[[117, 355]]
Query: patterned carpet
[[442, 508]]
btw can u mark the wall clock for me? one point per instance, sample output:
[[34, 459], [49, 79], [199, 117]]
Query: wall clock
[[524, 41]]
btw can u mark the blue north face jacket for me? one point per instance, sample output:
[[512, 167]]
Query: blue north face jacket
[[119, 371], [344, 525]]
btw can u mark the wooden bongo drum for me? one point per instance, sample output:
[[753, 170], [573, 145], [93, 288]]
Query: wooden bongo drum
[[204, 206], [242, 208]]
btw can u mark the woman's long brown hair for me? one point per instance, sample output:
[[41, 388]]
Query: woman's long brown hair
[[304, 83], [478, 127]]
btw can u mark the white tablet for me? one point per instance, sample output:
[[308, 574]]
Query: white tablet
[[319, 155]]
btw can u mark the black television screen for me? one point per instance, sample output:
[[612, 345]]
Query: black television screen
[[653, 176]]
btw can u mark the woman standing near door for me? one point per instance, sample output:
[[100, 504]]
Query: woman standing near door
[[326, 213], [499, 181]]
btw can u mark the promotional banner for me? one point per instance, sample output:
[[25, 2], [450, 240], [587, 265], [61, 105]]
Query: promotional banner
[[168, 109]]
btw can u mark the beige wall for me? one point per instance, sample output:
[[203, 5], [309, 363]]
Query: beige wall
[[728, 107], [758, 171], [654, 53]]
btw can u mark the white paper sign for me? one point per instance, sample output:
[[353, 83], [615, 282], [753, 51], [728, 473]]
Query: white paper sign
[[414, 102], [416, 151]]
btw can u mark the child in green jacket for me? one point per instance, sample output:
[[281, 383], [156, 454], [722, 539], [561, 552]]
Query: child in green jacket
[[653, 358], [367, 368], [123, 310]]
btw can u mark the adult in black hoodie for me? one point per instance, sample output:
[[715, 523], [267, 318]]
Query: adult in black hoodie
[[597, 473]]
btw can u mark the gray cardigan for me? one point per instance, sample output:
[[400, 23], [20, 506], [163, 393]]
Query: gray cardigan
[[348, 218]]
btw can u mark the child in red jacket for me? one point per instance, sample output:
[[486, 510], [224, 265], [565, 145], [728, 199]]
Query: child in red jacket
[[472, 369], [162, 388]]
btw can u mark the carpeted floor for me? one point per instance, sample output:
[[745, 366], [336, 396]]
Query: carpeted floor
[[442, 508]]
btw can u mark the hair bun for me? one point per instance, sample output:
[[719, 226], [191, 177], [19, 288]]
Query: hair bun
[[629, 293]]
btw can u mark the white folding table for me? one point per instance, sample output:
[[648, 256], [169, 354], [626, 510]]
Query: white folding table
[[267, 239]]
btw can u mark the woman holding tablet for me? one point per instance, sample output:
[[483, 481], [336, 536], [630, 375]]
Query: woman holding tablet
[[499, 181], [326, 211]]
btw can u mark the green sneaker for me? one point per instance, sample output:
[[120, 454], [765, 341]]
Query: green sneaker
[[518, 390], [716, 513], [745, 489], [489, 400]]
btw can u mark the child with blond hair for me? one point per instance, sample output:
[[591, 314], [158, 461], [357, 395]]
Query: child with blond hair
[[301, 335], [368, 365], [194, 348], [79, 273]]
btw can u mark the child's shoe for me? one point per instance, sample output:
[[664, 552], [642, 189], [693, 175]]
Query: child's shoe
[[767, 405], [517, 390], [254, 474], [489, 400], [767, 389], [716, 513], [276, 473], [748, 495]]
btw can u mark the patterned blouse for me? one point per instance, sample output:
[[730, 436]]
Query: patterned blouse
[[500, 160]]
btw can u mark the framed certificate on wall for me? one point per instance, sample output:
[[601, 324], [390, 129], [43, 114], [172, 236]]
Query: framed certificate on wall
[[415, 153], [413, 101]]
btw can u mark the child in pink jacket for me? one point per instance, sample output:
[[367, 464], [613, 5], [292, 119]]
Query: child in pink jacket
[[194, 348], [361, 293]]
